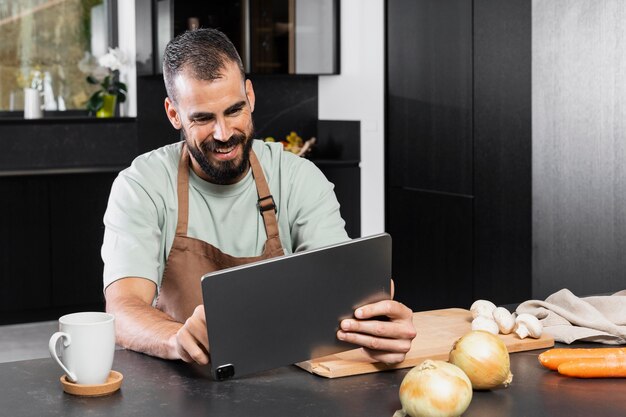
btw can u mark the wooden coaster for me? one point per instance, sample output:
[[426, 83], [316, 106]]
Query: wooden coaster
[[112, 384]]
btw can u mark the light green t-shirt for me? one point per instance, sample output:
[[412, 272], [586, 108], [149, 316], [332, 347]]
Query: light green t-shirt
[[140, 220]]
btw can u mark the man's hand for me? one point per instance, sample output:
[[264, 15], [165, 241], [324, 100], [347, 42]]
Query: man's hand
[[143, 328], [191, 340], [384, 341]]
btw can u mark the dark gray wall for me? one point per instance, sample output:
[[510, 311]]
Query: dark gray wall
[[579, 146]]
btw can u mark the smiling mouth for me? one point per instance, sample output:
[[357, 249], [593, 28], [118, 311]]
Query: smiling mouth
[[225, 150], [226, 154]]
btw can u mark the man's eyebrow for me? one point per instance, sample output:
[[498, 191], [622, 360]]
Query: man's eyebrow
[[201, 115], [235, 107], [206, 115]]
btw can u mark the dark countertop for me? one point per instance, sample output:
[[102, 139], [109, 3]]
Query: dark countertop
[[66, 145], [154, 387]]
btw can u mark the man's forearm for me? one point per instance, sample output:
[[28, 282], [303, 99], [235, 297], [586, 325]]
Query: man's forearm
[[143, 328]]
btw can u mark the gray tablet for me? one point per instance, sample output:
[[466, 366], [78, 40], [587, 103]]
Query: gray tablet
[[285, 310]]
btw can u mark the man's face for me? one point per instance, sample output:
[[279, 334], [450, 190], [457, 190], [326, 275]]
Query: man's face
[[216, 121]]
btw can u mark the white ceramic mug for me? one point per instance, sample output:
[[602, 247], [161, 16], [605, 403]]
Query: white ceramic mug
[[88, 346], [33, 109]]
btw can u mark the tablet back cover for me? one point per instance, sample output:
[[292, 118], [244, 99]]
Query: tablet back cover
[[285, 310]]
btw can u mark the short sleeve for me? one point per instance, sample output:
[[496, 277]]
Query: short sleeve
[[132, 236], [315, 219]]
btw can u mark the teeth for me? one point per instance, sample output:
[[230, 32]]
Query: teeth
[[224, 150]]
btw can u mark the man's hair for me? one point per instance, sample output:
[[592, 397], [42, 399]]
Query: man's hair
[[202, 54]]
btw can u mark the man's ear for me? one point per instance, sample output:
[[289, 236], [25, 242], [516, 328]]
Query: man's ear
[[172, 113], [250, 94]]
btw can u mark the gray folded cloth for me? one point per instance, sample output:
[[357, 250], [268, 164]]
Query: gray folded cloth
[[568, 318]]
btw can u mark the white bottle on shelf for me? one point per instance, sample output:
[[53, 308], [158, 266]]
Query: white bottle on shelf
[[49, 101]]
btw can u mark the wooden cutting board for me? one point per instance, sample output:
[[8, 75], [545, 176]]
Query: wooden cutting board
[[437, 330]]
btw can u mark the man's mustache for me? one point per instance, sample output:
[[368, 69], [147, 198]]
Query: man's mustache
[[215, 145]]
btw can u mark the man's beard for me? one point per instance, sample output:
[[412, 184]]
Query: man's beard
[[222, 172]]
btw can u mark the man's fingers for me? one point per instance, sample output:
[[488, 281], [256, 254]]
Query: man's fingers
[[189, 348], [376, 343], [389, 308], [394, 330], [385, 341], [197, 326], [192, 339], [183, 353]]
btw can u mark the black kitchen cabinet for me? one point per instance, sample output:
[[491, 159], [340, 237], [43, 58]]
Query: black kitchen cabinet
[[346, 177], [52, 229], [429, 94], [55, 178], [458, 140], [502, 150], [432, 248], [25, 257], [77, 205], [337, 153]]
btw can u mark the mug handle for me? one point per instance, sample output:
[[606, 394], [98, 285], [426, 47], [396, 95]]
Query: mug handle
[[52, 347]]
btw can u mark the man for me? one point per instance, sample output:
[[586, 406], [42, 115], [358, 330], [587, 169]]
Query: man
[[217, 199]]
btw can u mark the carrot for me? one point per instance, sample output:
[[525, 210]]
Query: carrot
[[608, 367], [552, 358]]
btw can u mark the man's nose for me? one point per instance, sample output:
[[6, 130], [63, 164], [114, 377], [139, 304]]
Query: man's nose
[[222, 131]]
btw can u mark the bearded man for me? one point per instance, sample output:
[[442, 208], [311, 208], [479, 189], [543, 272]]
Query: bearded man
[[217, 199]]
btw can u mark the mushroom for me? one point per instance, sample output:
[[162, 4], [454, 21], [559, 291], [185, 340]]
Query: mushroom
[[504, 319], [482, 308], [485, 323], [528, 325]]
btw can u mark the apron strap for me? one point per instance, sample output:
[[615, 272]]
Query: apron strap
[[183, 192], [266, 204]]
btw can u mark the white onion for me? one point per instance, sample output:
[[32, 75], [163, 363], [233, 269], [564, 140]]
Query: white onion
[[484, 358], [435, 389]]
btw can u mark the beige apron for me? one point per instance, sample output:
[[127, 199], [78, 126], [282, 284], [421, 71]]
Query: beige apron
[[189, 258]]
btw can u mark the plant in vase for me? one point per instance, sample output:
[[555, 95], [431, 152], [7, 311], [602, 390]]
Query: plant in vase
[[112, 90]]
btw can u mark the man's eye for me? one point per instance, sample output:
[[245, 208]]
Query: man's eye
[[235, 112]]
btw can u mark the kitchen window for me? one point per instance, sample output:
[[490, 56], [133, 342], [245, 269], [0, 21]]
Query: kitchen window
[[48, 45]]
